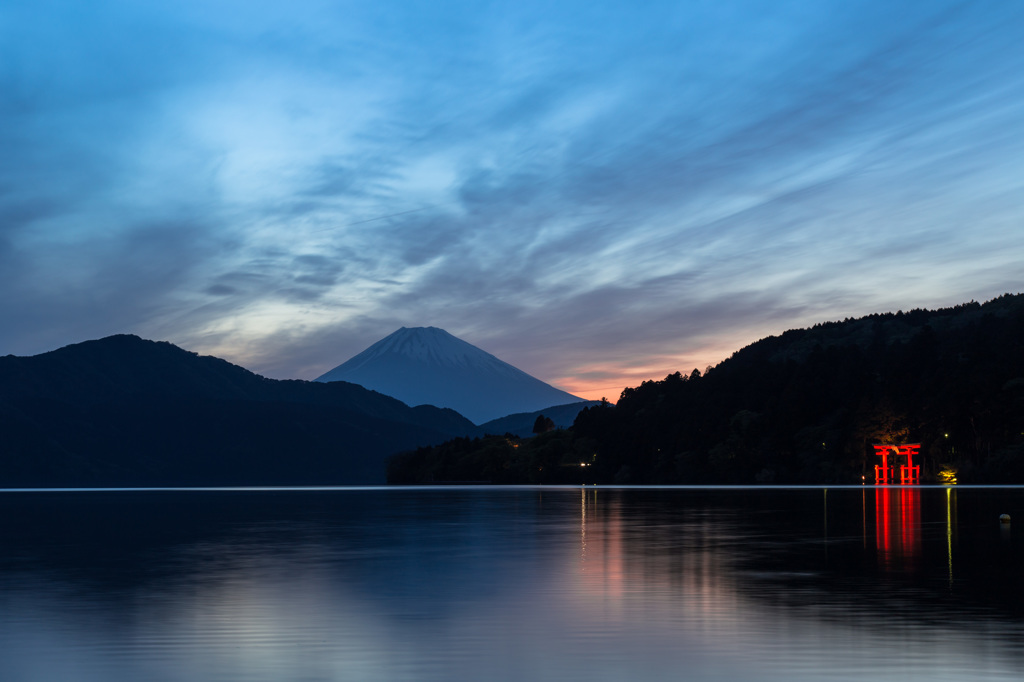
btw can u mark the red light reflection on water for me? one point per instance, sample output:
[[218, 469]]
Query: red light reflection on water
[[898, 526]]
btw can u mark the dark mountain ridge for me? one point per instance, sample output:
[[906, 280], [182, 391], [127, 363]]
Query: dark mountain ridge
[[521, 423], [801, 407], [126, 411]]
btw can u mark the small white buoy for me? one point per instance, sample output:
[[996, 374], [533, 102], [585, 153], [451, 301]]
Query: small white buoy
[[1004, 518]]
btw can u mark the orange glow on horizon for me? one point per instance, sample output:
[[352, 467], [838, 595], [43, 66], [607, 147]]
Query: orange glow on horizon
[[608, 379]]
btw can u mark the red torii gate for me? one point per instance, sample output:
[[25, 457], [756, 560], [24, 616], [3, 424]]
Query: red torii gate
[[910, 473]]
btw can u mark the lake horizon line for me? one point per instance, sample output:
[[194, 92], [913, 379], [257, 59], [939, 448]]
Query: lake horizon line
[[481, 487]]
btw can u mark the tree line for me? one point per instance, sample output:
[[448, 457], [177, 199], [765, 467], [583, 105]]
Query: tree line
[[802, 407]]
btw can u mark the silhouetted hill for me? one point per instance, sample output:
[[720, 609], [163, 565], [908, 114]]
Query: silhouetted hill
[[125, 411], [521, 424], [802, 407]]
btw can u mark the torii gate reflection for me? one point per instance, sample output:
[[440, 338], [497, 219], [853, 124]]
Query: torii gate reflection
[[898, 526]]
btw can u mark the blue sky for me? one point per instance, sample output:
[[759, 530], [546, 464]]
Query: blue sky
[[595, 192]]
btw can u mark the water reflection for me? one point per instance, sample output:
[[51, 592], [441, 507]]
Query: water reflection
[[814, 587], [736, 572], [950, 529], [898, 527], [601, 569], [600, 584]]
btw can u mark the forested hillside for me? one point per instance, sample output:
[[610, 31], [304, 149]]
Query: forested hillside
[[802, 407], [123, 411]]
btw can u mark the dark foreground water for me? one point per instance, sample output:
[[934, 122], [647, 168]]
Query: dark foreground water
[[522, 584]]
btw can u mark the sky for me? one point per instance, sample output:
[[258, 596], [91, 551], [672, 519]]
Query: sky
[[599, 193]]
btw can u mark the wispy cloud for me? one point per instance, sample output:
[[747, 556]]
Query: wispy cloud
[[590, 191]]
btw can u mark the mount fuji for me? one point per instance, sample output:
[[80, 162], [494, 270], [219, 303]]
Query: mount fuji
[[427, 365]]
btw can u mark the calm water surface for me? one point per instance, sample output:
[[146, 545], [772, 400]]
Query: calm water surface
[[512, 584]]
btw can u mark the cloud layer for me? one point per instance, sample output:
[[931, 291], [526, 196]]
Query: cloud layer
[[596, 194]]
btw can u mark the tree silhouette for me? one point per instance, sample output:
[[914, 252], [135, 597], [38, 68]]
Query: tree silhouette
[[806, 406], [543, 424]]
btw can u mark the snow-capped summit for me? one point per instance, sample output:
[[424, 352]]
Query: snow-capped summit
[[427, 365]]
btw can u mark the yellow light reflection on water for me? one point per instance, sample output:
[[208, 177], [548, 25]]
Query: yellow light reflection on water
[[583, 528], [950, 513]]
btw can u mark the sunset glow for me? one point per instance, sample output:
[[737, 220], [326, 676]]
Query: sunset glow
[[595, 194]]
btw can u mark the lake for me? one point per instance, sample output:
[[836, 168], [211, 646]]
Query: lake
[[533, 583]]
